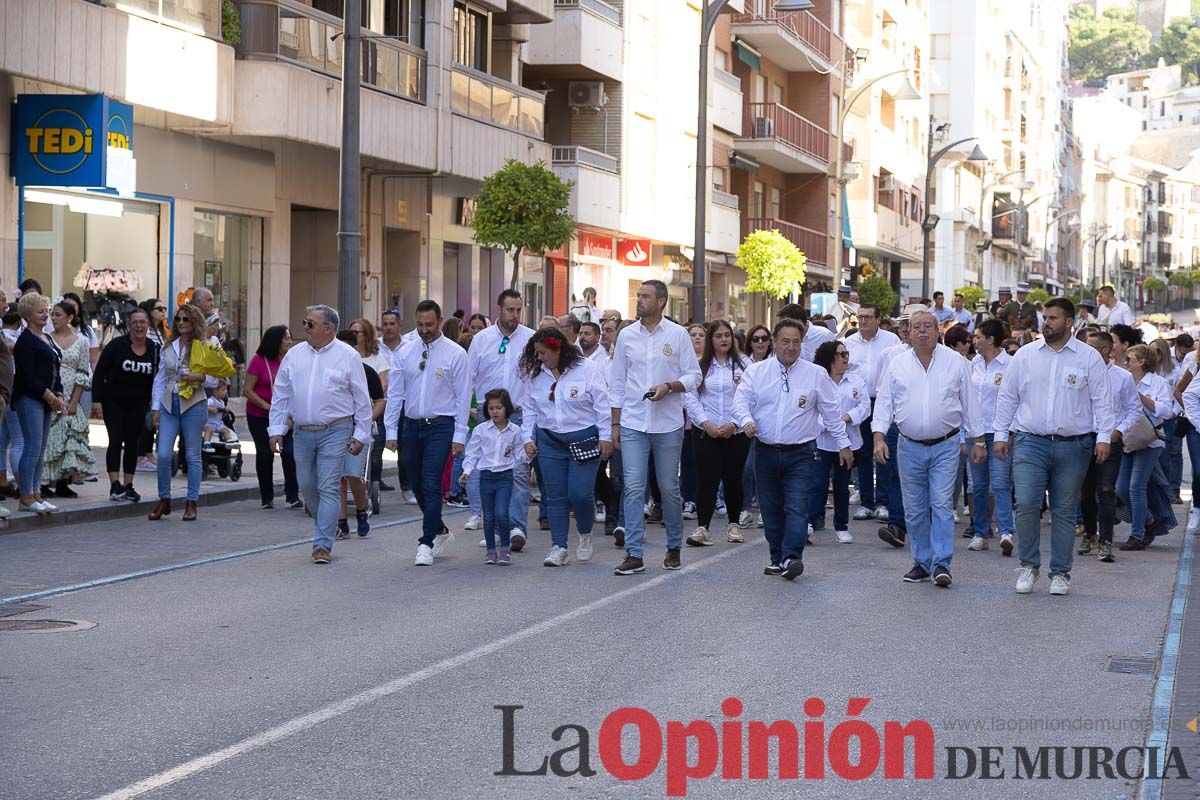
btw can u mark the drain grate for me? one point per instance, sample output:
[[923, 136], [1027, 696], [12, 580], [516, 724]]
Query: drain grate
[[1133, 665], [13, 609], [28, 625]]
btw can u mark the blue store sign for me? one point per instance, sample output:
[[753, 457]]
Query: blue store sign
[[64, 140]]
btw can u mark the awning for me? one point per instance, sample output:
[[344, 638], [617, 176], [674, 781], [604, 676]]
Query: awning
[[847, 238], [748, 55], [739, 161]]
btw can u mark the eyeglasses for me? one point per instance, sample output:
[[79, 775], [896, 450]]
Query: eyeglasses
[[424, 358], [503, 346], [308, 324], [867, 316], [760, 339], [843, 354], [553, 386]]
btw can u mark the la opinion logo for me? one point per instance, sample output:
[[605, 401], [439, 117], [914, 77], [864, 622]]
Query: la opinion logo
[[60, 141]]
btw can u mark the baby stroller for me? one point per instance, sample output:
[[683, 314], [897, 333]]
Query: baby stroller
[[224, 458]]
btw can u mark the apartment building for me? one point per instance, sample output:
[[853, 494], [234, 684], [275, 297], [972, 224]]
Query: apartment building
[[222, 162], [1158, 94]]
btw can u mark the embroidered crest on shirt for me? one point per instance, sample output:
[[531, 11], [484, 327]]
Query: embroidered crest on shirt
[[854, 393], [1072, 379], [667, 350], [441, 373], [574, 392], [803, 401], [997, 378], [508, 451]]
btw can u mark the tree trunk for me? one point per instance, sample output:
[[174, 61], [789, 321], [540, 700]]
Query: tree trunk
[[512, 284]]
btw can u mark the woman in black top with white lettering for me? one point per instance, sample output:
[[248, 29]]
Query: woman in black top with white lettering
[[122, 383]]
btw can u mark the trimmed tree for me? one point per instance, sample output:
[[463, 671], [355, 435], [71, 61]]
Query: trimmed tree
[[523, 207], [773, 265], [877, 291], [1038, 295], [971, 296]]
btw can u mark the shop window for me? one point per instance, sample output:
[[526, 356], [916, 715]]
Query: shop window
[[227, 259], [472, 36]]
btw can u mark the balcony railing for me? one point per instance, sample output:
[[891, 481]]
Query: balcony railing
[[801, 24], [775, 121], [197, 16], [814, 244], [575, 155], [727, 79], [597, 7], [725, 199], [488, 99], [285, 30]]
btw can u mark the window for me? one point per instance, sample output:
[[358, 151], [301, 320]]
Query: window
[[887, 111], [718, 178], [401, 18], [759, 200], [760, 88], [472, 37], [776, 203], [777, 94]]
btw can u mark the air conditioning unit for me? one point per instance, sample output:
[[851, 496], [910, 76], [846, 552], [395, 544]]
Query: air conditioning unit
[[887, 183], [586, 94], [764, 128]]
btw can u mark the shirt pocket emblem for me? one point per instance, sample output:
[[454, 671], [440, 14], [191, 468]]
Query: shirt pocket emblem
[[667, 350], [803, 401], [441, 374], [574, 392], [854, 393], [998, 377], [1071, 380], [508, 451]]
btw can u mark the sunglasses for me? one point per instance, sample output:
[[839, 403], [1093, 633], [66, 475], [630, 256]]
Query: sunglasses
[[160, 308], [786, 386], [503, 346], [308, 324], [843, 354], [760, 339], [181, 319], [424, 358]]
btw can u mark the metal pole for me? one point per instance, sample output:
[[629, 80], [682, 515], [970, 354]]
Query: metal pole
[[699, 262], [841, 186], [349, 300], [1020, 234], [925, 229]]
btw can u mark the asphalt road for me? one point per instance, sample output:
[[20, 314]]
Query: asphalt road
[[267, 677]]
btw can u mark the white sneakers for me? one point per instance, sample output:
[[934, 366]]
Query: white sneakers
[[689, 510], [978, 543], [441, 542], [409, 498], [1026, 577], [855, 497], [40, 507], [1006, 544], [863, 513], [746, 520], [474, 523], [722, 510], [881, 514], [733, 534], [601, 515], [700, 538], [1193, 521], [844, 537], [1059, 585], [424, 556], [4, 513], [584, 551], [557, 557]]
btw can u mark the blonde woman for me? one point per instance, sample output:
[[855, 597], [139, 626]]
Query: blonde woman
[[36, 395], [366, 339]]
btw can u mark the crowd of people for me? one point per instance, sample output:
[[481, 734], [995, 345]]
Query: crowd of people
[[1002, 414]]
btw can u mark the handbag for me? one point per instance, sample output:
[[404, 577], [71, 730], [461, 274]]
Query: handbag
[[1142, 434], [586, 450]]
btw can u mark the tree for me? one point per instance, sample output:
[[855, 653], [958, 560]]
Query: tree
[[523, 207], [971, 296], [1105, 44], [877, 291], [1179, 44], [231, 23], [1153, 284], [1038, 295], [773, 265], [1181, 279]]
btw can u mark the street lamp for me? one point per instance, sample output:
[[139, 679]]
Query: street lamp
[[930, 222], [708, 20]]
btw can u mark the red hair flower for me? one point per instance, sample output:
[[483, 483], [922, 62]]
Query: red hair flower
[[553, 343]]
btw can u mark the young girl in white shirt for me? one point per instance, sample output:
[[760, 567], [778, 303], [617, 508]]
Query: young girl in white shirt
[[495, 449]]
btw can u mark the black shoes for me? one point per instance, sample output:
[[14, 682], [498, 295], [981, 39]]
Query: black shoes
[[131, 494], [343, 529], [915, 575], [116, 491], [1132, 544], [941, 577], [364, 526], [672, 559], [386, 487], [619, 536], [893, 536], [543, 524], [792, 568], [772, 569], [63, 489], [630, 566]]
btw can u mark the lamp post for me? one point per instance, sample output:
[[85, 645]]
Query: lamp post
[[987, 242], [708, 20], [349, 235], [931, 220]]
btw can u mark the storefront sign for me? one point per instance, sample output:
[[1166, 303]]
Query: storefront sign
[[634, 252], [594, 246], [66, 140]]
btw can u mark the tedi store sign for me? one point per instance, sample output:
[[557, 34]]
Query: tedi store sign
[[65, 140]]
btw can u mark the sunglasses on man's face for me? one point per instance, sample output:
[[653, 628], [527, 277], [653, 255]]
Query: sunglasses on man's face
[[308, 324]]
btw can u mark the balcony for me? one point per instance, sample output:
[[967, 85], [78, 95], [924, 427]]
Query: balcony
[[596, 196], [584, 41], [814, 244], [726, 102], [496, 102], [202, 17], [724, 223], [779, 137], [288, 31], [796, 40], [528, 12]]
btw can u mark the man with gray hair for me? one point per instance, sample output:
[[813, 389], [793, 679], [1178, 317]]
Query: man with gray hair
[[321, 385]]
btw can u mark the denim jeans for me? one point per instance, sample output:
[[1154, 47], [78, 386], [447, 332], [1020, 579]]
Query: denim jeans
[[1134, 483], [11, 436], [568, 485], [320, 462], [887, 490], [785, 476], [1172, 456], [927, 481], [495, 491], [829, 464], [34, 420], [992, 478], [636, 448], [190, 425], [1040, 464], [378, 441], [518, 508], [865, 472], [426, 448]]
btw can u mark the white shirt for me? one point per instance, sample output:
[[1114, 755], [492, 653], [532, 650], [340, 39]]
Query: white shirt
[[1055, 393], [378, 362], [963, 317], [1155, 387], [316, 387], [928, 403], [441, 389], [795, 411], [643, 359], [1119, 314], [390, 352], [941, 314], [864, 355], [987, 377], [713, 402], [1191, 399], [580, 401], [490, 369], [852, 392], [601, 359], [816, 335], [1127, 406], [492, 449]]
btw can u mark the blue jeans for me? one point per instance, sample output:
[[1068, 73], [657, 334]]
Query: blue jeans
[[1172, 456], [927, 481], [829, 464], [518, 508], [320, 462], [1040, 464], [568, 485], [34, 420], [866, 464], [636, 448], [888, 491], [11, 436], [426, 448], [190, 425], [785, 482], [474, 502], [1133, 485], [992, 478], [495, 491]]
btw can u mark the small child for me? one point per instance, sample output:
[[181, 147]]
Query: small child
[[216, 414], [495, 448]]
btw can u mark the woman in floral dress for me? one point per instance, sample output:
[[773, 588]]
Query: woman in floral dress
[[68, 454]]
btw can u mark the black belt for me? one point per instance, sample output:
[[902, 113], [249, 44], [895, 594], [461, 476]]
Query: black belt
[[1053, 437], [788, 447], [429, 420], [932, 442]]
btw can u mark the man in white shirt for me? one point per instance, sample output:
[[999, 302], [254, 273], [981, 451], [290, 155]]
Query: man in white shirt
[[430, 382], [1055, 400], [654, 364], [928, 394], [321, 385], [390, 342], [815, 334], [865, 346], [608, 334], [960, 314], [939, 310], [493, 364], [1112, 311], [589, 345], [785, 403]]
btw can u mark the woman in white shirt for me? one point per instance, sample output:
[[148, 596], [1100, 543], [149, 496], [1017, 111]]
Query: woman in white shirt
[[719, 445], [855, 400], [992, 478], [565, 403], [366, 342], [1136, 486]]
